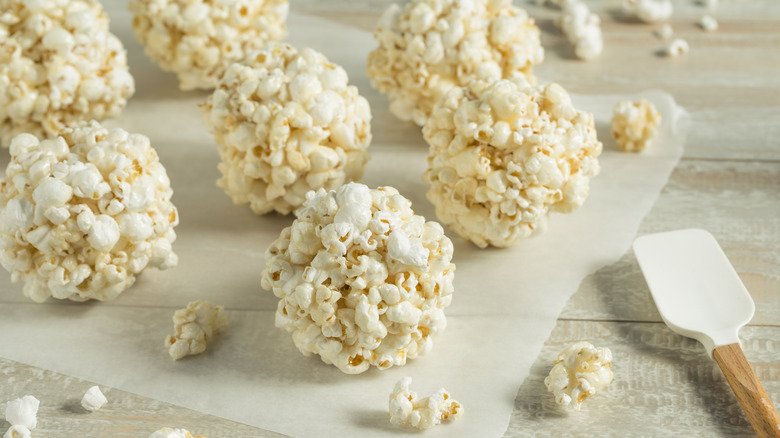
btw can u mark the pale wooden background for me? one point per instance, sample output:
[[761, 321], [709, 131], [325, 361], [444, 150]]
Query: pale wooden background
[[727, 182]]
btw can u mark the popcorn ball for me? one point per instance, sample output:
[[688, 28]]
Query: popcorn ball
[[579, 372], [59, 65], [194, 326], [93, 399], [361, 279], [83, 213], [422, 413], [23, 412], [502, 158], [582, 28], [167, 432], [198, 40], [635, 124], [430, 46], [287, 122]]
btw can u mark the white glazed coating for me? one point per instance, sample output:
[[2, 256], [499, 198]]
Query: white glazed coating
[[59, 65], [287, 122], [635, 124], [194, 326], [430, 46], [83, 213], [361, 279], [198, 40], [406, 409], [579, 372], [500, 159]]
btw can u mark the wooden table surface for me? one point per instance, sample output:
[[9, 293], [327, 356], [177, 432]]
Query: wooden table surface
[[727, 182]]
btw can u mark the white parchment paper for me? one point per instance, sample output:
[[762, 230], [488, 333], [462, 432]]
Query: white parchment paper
[[505, 305]]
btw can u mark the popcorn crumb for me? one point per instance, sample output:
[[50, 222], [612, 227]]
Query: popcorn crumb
[[649, 11], [708, 23], [501, 159], [427, 47], [677, 47], [407, 410], [582, 28], [635, 124], [361, 279], [664, 32], [22, 412], [287, 122], [194, 327], [167, 432], [83, 213], [579, 372], [93, 399], [18, 431]]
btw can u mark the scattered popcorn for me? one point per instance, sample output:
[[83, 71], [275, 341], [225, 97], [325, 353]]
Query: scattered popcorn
[[649, 11], [582, 28], [502, 158], [708, 23], [677, 47], [287, 122], [194, 327], [93, 399], [430, 46], [167, 432], [579, 372], [198, 40], [407, 410], [18, 431], [22, 412], [361, 279], [635, 124], [82, 213], [664, 32], [59, 64]]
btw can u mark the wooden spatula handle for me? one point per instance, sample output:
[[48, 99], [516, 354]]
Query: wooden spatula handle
[[751, 395]]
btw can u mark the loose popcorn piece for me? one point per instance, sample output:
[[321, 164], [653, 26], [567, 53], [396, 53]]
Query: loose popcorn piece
[[664, 32], [582, 28], [677, 47], [649, 11], [500, 159], [361, 279], [198, 40], [407, 410], [579, 372], [708, 23], [287, 122], [59, 65], [93, 399], [194, 327], [83, 213], [18, 431], [167, 432], [635, 124], [430, 46], [22, 412]]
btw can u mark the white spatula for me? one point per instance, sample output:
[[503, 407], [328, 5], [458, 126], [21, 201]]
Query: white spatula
[[699, 295]]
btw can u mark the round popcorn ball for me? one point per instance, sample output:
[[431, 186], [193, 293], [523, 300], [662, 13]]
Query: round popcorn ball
[[430, 46], [59, 65], [361, 279], [83, 213], [501, 158], [287, 122], [199, 39], [634, 124]]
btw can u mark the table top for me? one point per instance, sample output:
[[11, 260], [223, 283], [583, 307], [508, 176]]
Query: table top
[[727, 182]]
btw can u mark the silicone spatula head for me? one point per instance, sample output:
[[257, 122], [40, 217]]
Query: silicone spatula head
[[697, 291]]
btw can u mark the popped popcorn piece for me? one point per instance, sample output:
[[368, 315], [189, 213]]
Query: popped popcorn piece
[[194, 327], [501, 159], [649, 11], [167, 432], [635, 124], [664, 32], [430, 46], [93, 399], [708, 23], [423, 413], [361, 279], [22, 412], [677, 47], [582, 28], [579, 372], [83, 213], [198, 40], [287, 122], [59, 64], [17, 431]]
